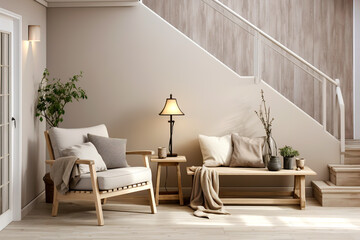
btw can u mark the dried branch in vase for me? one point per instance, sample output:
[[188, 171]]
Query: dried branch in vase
[[264, 115], [266, 120]]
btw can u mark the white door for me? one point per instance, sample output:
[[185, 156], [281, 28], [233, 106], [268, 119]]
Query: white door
[[6, 29]]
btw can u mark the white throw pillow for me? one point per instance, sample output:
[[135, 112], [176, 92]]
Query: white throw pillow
[[216, 151], [86, 151], [63, 138]]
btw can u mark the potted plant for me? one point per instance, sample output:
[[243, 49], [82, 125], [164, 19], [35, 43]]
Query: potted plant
[[270, 148], [288, 154], [53, 95]]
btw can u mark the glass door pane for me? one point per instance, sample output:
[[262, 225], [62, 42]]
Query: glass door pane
[[4, 121]]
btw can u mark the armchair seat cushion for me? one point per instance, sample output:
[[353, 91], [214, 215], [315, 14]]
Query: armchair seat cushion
[[115, 178]]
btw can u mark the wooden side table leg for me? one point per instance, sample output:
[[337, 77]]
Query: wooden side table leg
[[302, 192], [181, 199], [157, 183]]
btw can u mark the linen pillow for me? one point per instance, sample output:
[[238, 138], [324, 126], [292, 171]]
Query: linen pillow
[[86, 151], [112, 150], [247, 152], [63, 138], [216, 151]]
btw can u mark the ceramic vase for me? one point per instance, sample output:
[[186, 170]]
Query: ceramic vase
[[274, 164]]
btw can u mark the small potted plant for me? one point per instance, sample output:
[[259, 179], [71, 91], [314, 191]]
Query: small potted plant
[[288, 154]]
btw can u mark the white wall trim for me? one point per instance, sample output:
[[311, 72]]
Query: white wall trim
[[16, 166], [356, 69], [88, 3], [31, 205], [42, 2]]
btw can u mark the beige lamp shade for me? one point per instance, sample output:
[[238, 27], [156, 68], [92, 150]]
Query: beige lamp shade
[[34, 33], [171, 107]]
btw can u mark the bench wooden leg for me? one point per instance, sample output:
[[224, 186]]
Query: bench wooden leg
[[55, 206], [302, 192], [296, 187]]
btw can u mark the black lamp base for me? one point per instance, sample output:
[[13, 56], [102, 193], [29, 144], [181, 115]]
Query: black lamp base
[[172, 154]]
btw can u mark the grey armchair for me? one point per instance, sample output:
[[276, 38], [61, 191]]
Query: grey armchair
[[98, 186]]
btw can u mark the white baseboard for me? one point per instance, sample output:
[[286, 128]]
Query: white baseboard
[[30, 206]]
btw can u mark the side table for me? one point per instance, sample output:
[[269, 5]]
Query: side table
[[169, 161]]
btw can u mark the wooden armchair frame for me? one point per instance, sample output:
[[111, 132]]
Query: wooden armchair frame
[[97, 195]]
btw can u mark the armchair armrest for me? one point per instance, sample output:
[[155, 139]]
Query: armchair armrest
[[140, 152], [50, 162], [79, 161], [145, 155]]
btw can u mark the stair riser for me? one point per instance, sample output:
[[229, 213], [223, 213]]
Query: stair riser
[[345, 178], [352, 157], [334, 196], [352, 154], [352, 161], [337, 199]]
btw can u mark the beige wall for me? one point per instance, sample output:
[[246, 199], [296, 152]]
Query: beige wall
[[318, 31], [132, 60], [33, 64]]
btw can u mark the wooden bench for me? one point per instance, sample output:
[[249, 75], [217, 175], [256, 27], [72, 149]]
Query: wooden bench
[[295, 197]]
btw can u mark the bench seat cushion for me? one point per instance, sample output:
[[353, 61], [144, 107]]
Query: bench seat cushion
[[115, 178]]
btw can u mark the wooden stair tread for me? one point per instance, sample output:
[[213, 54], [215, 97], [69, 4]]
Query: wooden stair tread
[[344, 168], [330, 195], [329, 187]]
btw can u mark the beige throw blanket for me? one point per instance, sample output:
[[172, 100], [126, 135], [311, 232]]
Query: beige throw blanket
[[205, 193], [65, 173]]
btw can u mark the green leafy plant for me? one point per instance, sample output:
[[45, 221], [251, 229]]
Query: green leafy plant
[[53, 95], [288, 152]]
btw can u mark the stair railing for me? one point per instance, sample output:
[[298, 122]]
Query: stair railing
[[263, 39]]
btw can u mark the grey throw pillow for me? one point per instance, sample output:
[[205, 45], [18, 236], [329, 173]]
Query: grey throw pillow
[[112, 150], [247, 152]]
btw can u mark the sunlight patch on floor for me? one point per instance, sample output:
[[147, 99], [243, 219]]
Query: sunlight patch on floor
[[206, 222], [340, 223], [256, 221]]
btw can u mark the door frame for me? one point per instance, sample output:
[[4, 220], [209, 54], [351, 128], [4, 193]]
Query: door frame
[[356, 72], [16, 112]]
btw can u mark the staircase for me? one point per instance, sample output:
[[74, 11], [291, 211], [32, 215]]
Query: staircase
[[343, 189], [250, 51]]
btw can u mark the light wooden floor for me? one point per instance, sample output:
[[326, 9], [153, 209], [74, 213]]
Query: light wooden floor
[[134, 221]]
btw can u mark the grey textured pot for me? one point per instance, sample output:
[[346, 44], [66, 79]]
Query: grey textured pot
[[289, 162], [274, 164]]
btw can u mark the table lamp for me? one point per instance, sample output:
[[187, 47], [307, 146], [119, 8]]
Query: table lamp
[[171, 109]]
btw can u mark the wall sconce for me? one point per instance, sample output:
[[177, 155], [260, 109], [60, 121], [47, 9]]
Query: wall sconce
[[34, 33]]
